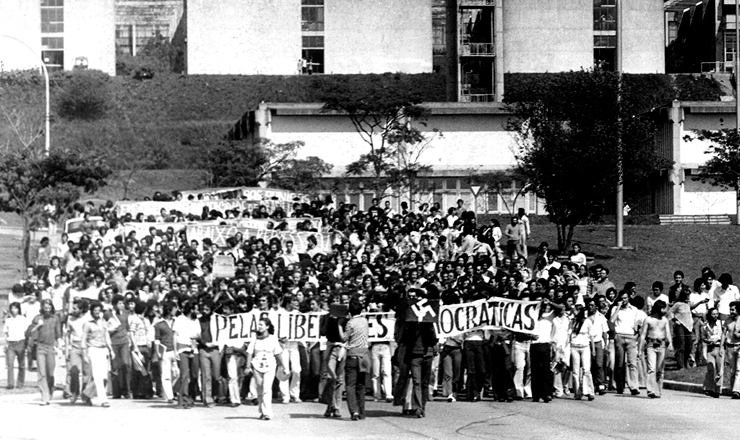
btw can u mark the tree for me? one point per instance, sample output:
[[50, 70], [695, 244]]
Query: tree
[[384, 114], [39, 187], [83, 94], [241, 163], [22, 108], [499, 184], [723, 168], [302, 175], [573, 130]]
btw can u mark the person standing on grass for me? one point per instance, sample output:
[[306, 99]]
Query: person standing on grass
[[46, 330], [14, 331], [654, 338], [732, 347], [676, 288], [96, 347], [656, 294], [712, 335], [526, 232]]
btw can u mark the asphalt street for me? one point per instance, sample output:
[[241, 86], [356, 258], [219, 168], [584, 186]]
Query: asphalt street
[[678, 415]]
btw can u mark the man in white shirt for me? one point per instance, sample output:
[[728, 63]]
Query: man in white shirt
[[626, 320], [700, 302], [14, 331]]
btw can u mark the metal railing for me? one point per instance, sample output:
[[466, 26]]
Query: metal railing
[[717, 67], [477, 49], [477, 2], [483, 97]]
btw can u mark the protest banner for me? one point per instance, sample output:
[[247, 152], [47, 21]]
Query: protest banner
[[195, 207], [453, 320], [262, 223], [247, 192], [218, 234], [142, 229], [223, 266]]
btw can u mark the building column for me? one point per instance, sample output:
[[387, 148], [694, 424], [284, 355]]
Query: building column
[[498, 67], [263, 122], [676, 173]]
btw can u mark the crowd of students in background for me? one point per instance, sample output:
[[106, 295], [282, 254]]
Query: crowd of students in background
[[129, 316]]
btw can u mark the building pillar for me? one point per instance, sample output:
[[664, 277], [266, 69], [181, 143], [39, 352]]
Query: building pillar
[[263, 122], [498, 68], [676, 173], [451, 42]]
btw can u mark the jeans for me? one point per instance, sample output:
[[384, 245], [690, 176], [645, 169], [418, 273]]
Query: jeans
[[655, 364], [625, 362], [520, 356], [402, 381], [311, 381], [421, 373], [46, 361], [291, 387], [141, 383], [355, 385], [16, 350], [476, 368], [210, 369], [121, 370], [539, 356], [165, 366], [263, 386], [597, 366], [715, 369], [699, 350], [232, 370], [188, 372], [451, 360], [682, 343], [99, 366], [382, 382], [335, 374], [580, 363], [733, 359], [76, 367]]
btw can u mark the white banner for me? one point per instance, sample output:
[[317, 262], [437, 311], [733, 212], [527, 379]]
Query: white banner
[[218, 234]]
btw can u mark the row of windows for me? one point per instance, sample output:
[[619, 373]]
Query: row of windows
[[125, 43], [52, 22], [312, 47]]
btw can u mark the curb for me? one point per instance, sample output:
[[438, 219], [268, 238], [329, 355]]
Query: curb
[[690, 387]]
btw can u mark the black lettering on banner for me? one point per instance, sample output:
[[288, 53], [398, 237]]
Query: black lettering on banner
[[220, 324], [382, 330], [458, 319], [313, 324], [470, 317], [446, 320], [505, 315], [530, 320], [300, 326], [253, 324], [517, 323], [242, 327], [232, 327], [484, 318]]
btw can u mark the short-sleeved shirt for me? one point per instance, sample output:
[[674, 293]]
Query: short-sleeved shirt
[[263, 353]]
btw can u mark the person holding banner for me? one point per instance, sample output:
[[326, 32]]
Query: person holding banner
[[263, 355]]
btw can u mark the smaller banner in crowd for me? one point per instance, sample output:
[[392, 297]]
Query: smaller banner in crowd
[[453, 320], [142, 229], [195, 207], [223, 266], [261, 223], [218, 234]]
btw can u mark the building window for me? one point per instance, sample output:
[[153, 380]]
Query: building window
[[605, 34], [124, 43], [52, 33], [729, 51], [312, 15], [313, 54], [605, 15], [132, 39]]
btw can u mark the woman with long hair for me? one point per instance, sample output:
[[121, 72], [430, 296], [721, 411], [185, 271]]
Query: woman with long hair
[[581, 349], [263, 355]]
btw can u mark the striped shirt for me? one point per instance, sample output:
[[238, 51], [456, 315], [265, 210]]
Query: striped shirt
[[356, 335]]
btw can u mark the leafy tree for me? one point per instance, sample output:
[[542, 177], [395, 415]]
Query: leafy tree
[[575, 131], [382, 109], [302, 175], [723, 168], [241, 163], [499, 183], [39, 187]]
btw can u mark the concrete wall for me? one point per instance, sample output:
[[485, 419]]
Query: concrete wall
[[20, 19], [150, 12], [643, 36], [92, 38], [476, 142], [548, 35], [377, 36], [244, 36]]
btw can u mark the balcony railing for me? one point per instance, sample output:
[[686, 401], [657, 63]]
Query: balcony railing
[[477, 49], [477, 2], [717, 67], [312, 26], [485, 97]]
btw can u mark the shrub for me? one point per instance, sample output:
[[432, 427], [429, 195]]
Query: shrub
[[83, 94]]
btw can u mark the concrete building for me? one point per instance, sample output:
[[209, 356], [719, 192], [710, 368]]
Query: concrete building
[[487, 38], [62, 32], [140, 21], [474, 140], [297, 36]]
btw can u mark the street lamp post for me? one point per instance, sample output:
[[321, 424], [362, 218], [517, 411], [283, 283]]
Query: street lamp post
[[47, 117]]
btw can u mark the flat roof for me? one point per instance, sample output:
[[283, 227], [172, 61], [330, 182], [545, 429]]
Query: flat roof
[[435, 108], [708, 106]]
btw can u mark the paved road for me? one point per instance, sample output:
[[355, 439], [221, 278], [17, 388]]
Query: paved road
[[677, 415]]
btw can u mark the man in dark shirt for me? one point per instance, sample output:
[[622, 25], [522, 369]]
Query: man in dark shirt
[[46, 330], [209, 355], [120, 340]]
